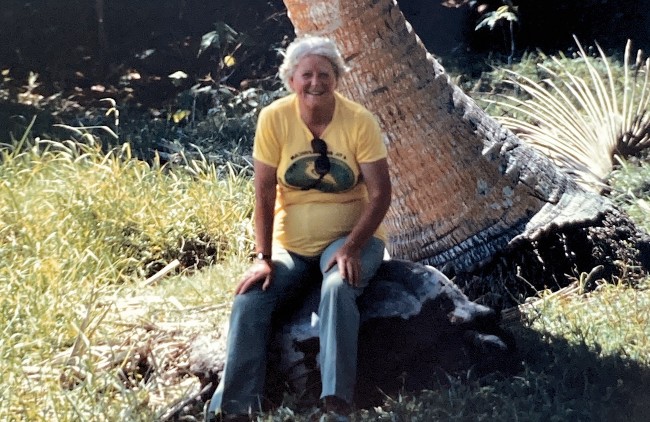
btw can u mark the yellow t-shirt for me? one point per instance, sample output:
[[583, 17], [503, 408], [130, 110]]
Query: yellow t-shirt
[[307, 221]]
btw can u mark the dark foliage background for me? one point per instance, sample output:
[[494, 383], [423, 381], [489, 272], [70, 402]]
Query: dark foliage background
[[82, 60]]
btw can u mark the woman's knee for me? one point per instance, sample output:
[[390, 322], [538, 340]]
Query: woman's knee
[[252, 305], [334, 286]]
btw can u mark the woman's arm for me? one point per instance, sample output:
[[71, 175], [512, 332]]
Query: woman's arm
[[265, 191], [348, 257]]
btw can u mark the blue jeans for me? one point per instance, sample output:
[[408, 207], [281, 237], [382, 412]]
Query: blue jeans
[[242, 383]]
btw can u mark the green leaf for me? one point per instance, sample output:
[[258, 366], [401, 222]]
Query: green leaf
[[207, 40]]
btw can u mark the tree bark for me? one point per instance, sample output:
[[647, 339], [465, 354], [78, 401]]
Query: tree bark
[[465, 188]]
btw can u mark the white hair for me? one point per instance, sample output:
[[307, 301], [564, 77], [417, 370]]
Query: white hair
[[310, 45]]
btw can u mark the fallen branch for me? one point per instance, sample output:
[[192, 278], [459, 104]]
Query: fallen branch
[[160, 274]]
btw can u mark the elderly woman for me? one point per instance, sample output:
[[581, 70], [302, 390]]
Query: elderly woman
[[322, 190]]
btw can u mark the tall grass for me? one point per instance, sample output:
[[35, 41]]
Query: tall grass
[[631, 189], [78, 226]]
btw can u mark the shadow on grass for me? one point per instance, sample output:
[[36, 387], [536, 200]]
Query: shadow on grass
[[557, 381], [549, 379], [580, 382]]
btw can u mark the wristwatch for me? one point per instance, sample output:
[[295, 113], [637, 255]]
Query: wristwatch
[[262, 256]]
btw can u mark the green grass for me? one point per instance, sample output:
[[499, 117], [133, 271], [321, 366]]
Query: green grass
[[630, 183], [81, 230]]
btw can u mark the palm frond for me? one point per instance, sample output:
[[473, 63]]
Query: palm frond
[[582, 119]]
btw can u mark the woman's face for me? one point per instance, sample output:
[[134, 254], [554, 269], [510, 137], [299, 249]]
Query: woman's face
[[314, 80]]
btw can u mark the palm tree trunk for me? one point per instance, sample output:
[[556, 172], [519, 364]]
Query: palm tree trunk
[[465, 188]]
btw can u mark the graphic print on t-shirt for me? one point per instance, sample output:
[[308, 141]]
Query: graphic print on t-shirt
[[301, 174]]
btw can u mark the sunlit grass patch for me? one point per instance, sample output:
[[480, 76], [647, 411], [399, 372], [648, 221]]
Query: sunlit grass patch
[[631, 189], [80, 230], [612, 320]]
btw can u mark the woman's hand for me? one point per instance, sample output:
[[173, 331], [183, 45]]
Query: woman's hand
[[261, 270], [265, 191], [348, 257], [348, 260]]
